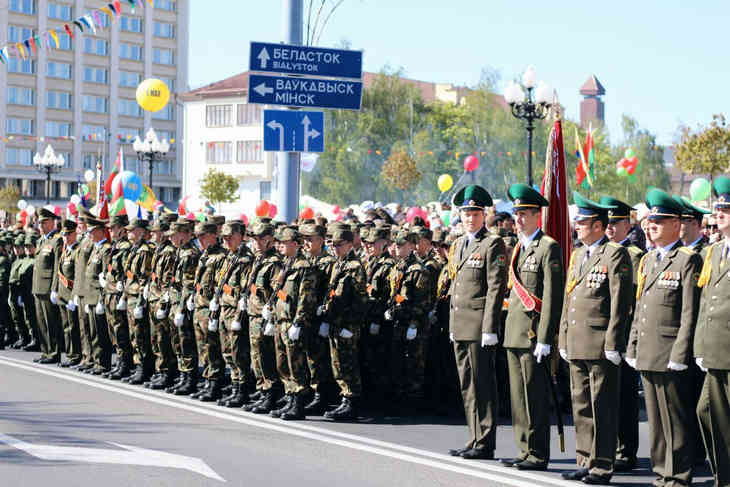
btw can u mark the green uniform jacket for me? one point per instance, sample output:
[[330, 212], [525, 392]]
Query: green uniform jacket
[[666, 310], [138, 268], [410, 293], [100, 253], [597, 303], [540, 270], [378, 287], [478, 287], [86, 245], [296, 301], [65, 271], [712, 337], [162, 269], [47, 254], [115, 263], [346, 299], [206, 274], [183, 279], [4, 271], [233, 280], [261, 281]]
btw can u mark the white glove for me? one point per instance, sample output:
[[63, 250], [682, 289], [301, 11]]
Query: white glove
[[121, 305], [374, 328], [320, 310], [451, 337], [71, 306], [631, 362], [564, 354], [160, 314], [213, 325], [236, 326], [345, 333], [102, 281], [54, 297], [87, 310], [99, 308], [138, 312], [699, 361], [324, 330], [213, 306], [146, 292], [612, 356], [541, 350], [388, 315], [179, 320], [120, 286], [269, 329], [489, 339], [676, 366], [20, 301], [165, 297], [432, 316], [190, 304], [242, 304], [294, 333], [411, 333], [266, 313], [76, 300]]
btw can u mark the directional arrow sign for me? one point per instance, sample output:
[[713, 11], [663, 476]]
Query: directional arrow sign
[[304, 92], [293, 131], [129, 455], [312, 61]]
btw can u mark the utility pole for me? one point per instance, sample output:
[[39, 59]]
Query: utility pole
[[288, 170]]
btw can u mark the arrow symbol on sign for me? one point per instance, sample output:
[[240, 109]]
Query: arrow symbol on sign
[[308, 134], [263, 57], [274, 125], [263, 90], [129, 456]]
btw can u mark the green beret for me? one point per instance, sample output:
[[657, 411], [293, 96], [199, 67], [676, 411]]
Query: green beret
[[589, 209], [662, 205], [622, 209], [472, 197], [721, 189]]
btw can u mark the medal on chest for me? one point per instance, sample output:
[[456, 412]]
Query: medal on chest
[[669, 280], [530, 264], [596, 276], [475, 260]]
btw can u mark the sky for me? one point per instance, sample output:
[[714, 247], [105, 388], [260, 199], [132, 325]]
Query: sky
[[664, 63]]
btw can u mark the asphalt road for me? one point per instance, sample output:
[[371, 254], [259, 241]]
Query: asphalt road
[[59, 427]]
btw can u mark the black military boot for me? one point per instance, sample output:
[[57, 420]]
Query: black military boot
[[239, 399], [136, 372], [256, 396], [117, 366], [233, 391], [266, 404], [32, 346], [346, 411], [178, 382], [167, 379], [296, 411], [316, 405], [287, 401], [122, 372], [155, 377], [189, 386], [139, 376], [213, 393], [202, 388], [18, 345]]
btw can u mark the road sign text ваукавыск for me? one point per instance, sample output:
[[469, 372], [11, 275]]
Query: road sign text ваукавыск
[[313, 61], [305, 92]]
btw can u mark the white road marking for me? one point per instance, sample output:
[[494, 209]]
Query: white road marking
[[392, 450], [130, 455]]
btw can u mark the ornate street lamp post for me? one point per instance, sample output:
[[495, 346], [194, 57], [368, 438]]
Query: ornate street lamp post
[[48, 163], [151, 149]]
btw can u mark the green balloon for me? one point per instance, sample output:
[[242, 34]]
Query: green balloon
[[629, 153], [632, 178], [622, 172], [699, 189], [446, 217]]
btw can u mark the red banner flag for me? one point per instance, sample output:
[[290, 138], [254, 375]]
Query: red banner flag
[[555, 217]]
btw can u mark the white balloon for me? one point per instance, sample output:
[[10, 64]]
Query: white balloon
[[30, 209], [89, 175], [75, 199], [22, 205]]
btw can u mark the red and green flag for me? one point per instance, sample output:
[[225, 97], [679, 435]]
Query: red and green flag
[[114, 190]]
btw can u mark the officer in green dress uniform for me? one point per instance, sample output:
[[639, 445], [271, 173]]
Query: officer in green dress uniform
[[86, 245], [478, 266], [46, 259], [536, 298], [62, 287], [101, 345]]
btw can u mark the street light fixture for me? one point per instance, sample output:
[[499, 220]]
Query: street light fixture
[[527, 107], [151, 149], [48, 163]]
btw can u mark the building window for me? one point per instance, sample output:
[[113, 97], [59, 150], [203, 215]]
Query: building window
[[16, 65], [163, 56], [59, 70], [265, 190], [163, 29], [166, 134], [96, 75], [129, 108], [131, 24], [167, 113], [249, 151], [129, 79], [18, 34], [37, 188], [162, 168], [99, 47], [64, 41], [248, 114], [67, 161], [175, 194], [130, 51], [18, 157], [220, 152], [95, 104], [58, 129], [59, 11], [88, 160], [218, 115], [60, 100], [21, 96], [93, 132], [168, 5], [20, 126], [23, 6], [170, 82], [72, 188]]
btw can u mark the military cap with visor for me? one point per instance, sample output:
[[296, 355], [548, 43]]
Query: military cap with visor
[[206, 227], [524, 197], [380, 232], [231, 227], [261, 229], [405, 235], [341, 231], [662, 205], [312, 230], [46, 214], [138, 223], [181, 225], [93, 223], [288, 233], [216, 219], [67, 227], [622, 211], [588, 209], [691, 211], [121, 220], [423, 232], [160, 226], [721, 189], [472, 197]]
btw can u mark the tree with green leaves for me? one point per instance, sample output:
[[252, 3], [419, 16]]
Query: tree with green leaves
[[400, 171], [9, 197], [705, 150], [218, 187]]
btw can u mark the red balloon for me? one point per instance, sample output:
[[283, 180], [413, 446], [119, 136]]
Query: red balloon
[[72, 208], [336, 209], [57, 210], [23, 214], [306, 213], [471, 163], [272, 210], [415, 211], [244, 218], [190, 216], [634, 160], [631, 169], [623, 162], [339, 218], [262, 209]]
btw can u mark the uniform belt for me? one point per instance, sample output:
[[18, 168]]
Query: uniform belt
[[67, 283]]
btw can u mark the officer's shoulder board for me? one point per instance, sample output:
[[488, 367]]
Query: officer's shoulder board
[[548, 239], [687, 250], [302, 264], [614, 245], [634, 250]]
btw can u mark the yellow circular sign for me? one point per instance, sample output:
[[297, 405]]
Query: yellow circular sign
[[152, 95]]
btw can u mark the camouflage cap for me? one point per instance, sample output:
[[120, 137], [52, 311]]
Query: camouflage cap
[[405, 235], [121, 220], [202, 228], [68, 226], [216, 219], [138, 223], [160, 226], [231, 227], [170, 218], [439, 235], [31, 239], [423, 232], [373, 234], [181, 225], [341, 231], [287, 234], [312, 230], [19, 241], [261, 229]]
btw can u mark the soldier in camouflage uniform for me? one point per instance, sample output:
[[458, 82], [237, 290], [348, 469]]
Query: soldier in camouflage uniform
[[137, 273], [15, 298], [182, 305], [260, 286], [101, 346], [85, 246], [342, 313], [318, 348], [8, 334], [233, 317], [46, 257], [62, 286], [115, 303]]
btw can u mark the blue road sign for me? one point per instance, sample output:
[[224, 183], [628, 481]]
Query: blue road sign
[[304, 92], [293, 131], [306, 60]]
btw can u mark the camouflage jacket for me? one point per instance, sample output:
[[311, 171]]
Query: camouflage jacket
[[378, 287], [4, 270], [115, 264], [231, 278], [409, 292], [323, 263], [183, 278], [138, 268], [296, 299], [346, 300], [261, 281], [432, 265], [100, 253], [206, 274], [162, 269]]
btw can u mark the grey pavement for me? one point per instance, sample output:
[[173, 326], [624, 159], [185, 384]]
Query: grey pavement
[[88, 418]]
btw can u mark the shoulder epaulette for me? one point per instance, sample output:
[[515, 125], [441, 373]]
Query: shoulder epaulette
[[549, 239], [687, 250], [614, 245], [633, 249]]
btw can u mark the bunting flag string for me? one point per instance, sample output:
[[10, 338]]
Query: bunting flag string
[[123, 138]]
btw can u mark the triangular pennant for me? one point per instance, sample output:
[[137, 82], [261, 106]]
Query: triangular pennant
[[55, 38], [97, 18], [107, 11], [117, 6], [68, 30], [3, 55], [30, 44], [78, 23]]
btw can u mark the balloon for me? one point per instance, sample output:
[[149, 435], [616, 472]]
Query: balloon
[[89, 176], [622, 162], [699, 189], [127, 184], [72, 208], [262, 208], [446, 217], [445, 182], [84, 190], [631, 170], [415, 211], [336, 209], [57, 210], [152, 95], [190, 216], [629, 153], [634, 160], [75, 199], [200, 217], [273, 210], [23, 213], [22, 205], [30, 209], [244, 218], [622, 172], [471, 163], [306, 213], [632, 178]]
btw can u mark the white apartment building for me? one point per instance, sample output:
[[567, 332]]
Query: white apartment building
[[85, 92], [224, 132]]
